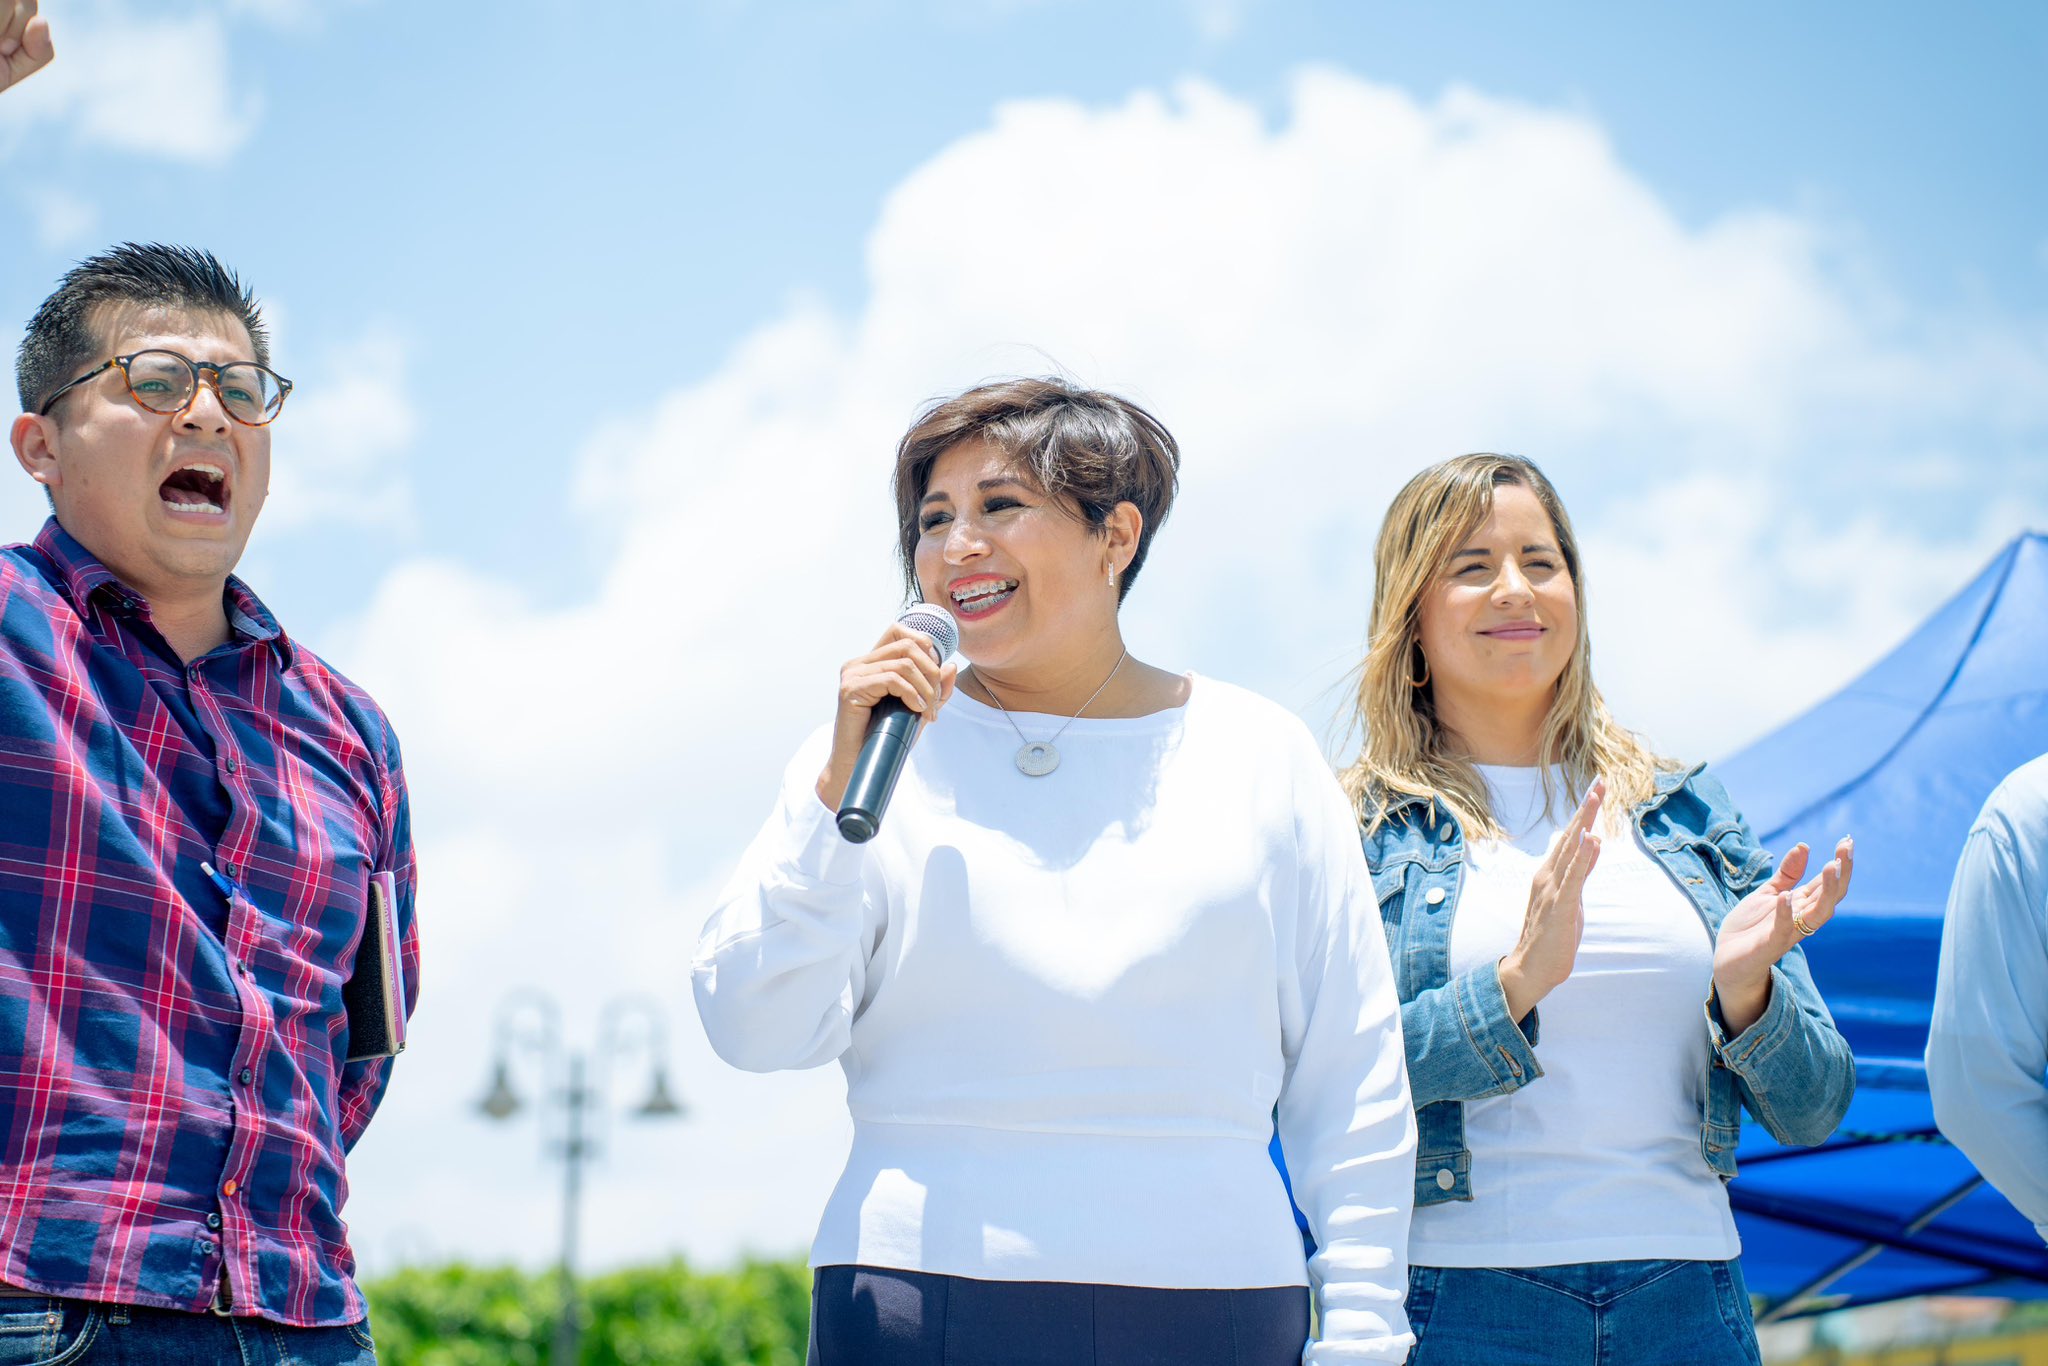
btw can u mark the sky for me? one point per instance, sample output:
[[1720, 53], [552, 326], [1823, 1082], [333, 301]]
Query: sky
[[605, 321]]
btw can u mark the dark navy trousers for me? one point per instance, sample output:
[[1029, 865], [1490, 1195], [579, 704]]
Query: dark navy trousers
[[874, 1316]]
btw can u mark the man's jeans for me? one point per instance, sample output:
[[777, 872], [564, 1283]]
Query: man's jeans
[[36, 1330]]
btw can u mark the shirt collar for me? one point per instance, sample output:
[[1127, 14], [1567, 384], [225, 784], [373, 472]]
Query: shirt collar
[[80, 572], [82, 575], [252, 621]]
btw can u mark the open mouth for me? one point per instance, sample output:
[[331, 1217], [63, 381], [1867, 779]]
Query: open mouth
[[979, 597], [198, 489]]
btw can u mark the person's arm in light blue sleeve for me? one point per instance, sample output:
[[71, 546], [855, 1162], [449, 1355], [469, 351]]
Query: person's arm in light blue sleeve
[[1987, 1045]]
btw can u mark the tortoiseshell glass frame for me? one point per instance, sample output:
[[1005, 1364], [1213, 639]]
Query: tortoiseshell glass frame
[[199, 369]]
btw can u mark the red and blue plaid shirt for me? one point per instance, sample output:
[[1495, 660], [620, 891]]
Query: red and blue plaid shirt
[[174, 1100]]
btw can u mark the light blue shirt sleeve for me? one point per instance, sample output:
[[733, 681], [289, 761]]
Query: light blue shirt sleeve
[[1987, 1044]]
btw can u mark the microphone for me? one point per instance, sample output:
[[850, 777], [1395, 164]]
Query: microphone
[[892, 727]]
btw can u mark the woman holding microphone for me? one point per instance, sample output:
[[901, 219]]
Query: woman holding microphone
[[1533, 859], [1113, 916]]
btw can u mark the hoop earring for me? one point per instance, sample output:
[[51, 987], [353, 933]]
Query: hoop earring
[[1423, 681]]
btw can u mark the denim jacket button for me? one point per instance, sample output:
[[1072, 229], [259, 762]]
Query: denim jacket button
[[1444, 1179], [1435, 897]]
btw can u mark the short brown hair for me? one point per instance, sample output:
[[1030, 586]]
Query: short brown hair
[[1086, 448], [64, 338]]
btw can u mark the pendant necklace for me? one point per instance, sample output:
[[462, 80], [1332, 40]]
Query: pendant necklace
[[1040, 757]]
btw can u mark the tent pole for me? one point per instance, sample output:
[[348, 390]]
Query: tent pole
[[1783, 1308], [1816, 1308], [1845, 1145]]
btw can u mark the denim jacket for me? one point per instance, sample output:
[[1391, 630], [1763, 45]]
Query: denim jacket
[[1792, 1068]]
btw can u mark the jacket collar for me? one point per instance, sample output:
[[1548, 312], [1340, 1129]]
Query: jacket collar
[[1668, 781], [1418, 810]]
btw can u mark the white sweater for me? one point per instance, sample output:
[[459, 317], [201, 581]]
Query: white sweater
[[1066, 1007]]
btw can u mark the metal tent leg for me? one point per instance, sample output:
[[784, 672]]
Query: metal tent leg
[[1783, 1308]]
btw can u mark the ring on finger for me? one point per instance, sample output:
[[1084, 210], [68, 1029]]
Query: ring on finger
[[1799, 923]]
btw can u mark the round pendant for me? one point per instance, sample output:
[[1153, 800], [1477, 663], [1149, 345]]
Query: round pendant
[[1037, 759]]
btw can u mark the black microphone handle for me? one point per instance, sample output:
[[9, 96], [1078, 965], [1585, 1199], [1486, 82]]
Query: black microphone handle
[[892, 726]]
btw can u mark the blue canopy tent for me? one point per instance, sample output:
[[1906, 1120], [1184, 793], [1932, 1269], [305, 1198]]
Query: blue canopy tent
[[1902, 759]]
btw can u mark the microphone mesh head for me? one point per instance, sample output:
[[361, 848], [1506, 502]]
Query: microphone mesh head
[[936, 622]]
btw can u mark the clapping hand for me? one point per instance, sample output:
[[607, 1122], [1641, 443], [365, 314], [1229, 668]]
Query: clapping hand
[[1556, 919], [1769, 921], [24, 41]]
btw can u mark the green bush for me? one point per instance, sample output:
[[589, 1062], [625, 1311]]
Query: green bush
[[755, 1315]]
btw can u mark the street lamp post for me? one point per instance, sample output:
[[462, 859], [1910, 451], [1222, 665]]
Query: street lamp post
[[529, 1022]]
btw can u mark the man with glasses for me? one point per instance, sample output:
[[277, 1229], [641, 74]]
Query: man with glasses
[[202, 827]]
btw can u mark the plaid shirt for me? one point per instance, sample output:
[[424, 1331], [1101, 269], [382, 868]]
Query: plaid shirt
[[174, 1104]]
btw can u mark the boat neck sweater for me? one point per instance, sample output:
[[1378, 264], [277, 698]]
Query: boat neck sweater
[[1068, 1006]]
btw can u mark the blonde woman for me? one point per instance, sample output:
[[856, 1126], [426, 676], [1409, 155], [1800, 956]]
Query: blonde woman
[[1598, 967]]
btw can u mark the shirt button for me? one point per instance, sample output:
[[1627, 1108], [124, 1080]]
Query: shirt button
[[247, 971], [245, 1076], [229, 1187], [206, 1245], [233, 872], [213, 1221], [1434, 896], [232, 765], [1444, 1179]]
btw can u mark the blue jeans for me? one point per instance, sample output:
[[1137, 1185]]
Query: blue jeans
[[36, 1330], [1590, 1314]]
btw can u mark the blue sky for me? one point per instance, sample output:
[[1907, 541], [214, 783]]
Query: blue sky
[[604, 321], [649, 180]]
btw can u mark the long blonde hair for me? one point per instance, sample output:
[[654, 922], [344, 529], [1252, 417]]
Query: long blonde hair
[[1406, 751]]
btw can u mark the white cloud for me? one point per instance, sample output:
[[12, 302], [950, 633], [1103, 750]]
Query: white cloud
[[1214, 21], [1775, 608], [302, 15], [61, 217], [138, 81], [339, 455], [1219, 20], [1317, 309], [279, 13]]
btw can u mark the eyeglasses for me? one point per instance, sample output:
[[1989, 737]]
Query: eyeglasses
[[167, 382]]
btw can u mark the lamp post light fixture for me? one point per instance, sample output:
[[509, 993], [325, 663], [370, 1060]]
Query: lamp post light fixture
[[528, 1022]]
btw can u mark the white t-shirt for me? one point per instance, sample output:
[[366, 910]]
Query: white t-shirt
[[1066, 1007], [1599, 1158]]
